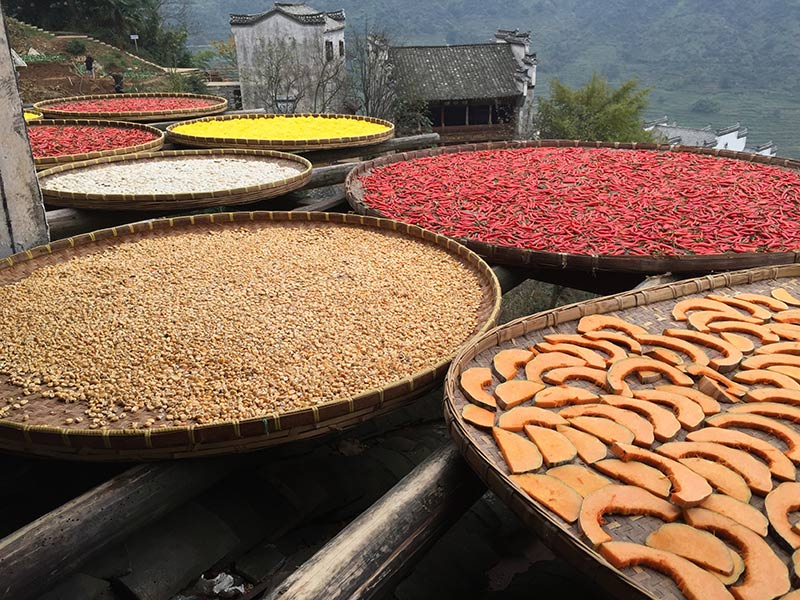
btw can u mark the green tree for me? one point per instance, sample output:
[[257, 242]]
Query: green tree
[[594, 112]]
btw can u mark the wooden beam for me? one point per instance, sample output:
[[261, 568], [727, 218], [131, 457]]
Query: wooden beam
[[22, 221]]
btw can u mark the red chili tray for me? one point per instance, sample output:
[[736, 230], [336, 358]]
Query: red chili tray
[[594, 206]]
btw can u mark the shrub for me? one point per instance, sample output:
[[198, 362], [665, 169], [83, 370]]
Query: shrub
[[75, 47]]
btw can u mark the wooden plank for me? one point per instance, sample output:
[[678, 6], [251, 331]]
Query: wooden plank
[[22, 221]]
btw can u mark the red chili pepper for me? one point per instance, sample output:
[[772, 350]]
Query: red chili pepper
[[60, 140], [132, 104]]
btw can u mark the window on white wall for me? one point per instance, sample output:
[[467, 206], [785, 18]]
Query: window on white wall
[[328, 50], [341, 47]]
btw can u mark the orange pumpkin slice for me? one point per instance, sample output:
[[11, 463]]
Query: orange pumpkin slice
[[754, 472], [473, 382], [741, 512], [689, 413], [776, 410], [784, 432], [641, 428], [514, 392], [791, 316], [698, 371], [762, 333], [738, 569], [780, 466], [480, 417], [595, 322], [613, 351], [555, 396], [779, 503], [765, 576], [521, 455], [592, 358], [771, 303], [665, 425], [589, 448], [636, 473], [688, 488], [582, 480], [620, 370], [506, 363], [606, 430], [547, 361], [731, 357], [720, 477], [616, 338], [776, 395], [695, 353], [695, 545], [691, 304], [664, 355], [620, 499], [553, 493], [784, 296], [793, 372], [711, 388], [757, 312], [555, 448], [780, 348], [561, 376], [695, 583], [766, 377], [743, 344], [796, 566], [706, 402], [516, 418], [701, 319], [785, 331]]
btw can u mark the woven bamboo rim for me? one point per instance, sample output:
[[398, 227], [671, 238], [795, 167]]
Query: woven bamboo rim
[[32, 111], [225, 197], [294, 145], [220, 105], [645, 307], [585, 262], [52, 161], [243, 435]]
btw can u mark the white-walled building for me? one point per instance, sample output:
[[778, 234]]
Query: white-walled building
[[729, 138]]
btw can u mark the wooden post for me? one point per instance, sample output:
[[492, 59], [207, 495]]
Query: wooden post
[[22, 222]]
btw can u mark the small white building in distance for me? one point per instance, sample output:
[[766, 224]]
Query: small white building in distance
[[729, 138], [291, 59]]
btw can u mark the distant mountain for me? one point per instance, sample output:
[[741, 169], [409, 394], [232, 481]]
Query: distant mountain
[[741, 56]]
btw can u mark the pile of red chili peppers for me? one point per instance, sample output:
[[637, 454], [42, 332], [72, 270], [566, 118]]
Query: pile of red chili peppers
[[595, 201], [61, 140], [133, 104]]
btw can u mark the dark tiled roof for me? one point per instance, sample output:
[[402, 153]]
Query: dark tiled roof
[[301, 13], [478, 71]]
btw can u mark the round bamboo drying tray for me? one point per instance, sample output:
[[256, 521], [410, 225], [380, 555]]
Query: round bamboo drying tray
[[649, 308], [286, 145], [220, 105], [508, 255], [52, 161], [229, 436], [178, 201]]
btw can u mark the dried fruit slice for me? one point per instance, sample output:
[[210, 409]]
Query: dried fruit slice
[[698, 371], [555, 448], [756, 311], [784, 432], [706, 402], [613, 351], [592, 358], [745, 345], [555, 396], [762, 333], [774, 395], [784, 296], [721, 478], [701, 319], [771, 303], [521, 455], [605, 430], [695, 545], [739, 511], [711, 388], [765, 377], [516, 418], [796, 565], [762, 361], [641, 428], [621, 369], [738, 569], [793, 372], [506, 363], [473, 382], [688, 413], [785, 331], [776, 410], [547, 361], [765, 576], [665, 425], [514, 392], [480, 417], [780, 348], [688, 488], [778, 504], [620, 499], [553, 493], [664, 355], [561, 376], [589, 448], [731, 357], [694, 582], [780, 466], [755, 473], [582, 480], [690, 304], [616, 338], [595, 322], [636, 473], [695, 353], [791, 316]]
